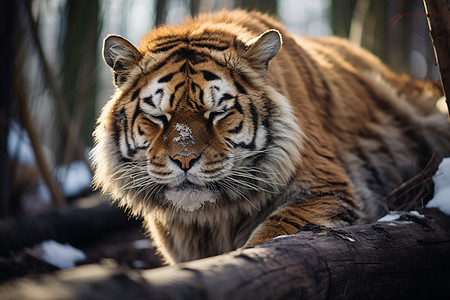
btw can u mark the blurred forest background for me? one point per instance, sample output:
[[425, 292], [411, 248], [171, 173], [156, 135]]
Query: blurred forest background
[[54, 81]]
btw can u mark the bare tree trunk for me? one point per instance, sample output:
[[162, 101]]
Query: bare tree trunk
[[267, 6], [44, 167], [341, 15], [195, 7], [438, 14], [79, 74], [161, 11], [404, 259], [358, 19], [54, 88], [8, 15]]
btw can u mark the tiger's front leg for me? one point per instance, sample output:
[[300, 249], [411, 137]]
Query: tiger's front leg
[[330, 210]]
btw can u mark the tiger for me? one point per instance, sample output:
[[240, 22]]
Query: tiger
[[227, 131]]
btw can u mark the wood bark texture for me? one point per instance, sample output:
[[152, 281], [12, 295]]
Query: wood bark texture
[[438, 15], [404, 259]]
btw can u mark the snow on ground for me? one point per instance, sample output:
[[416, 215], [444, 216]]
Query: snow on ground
[[62, 256], [19, 145], [441, 197], [75, 178], [441, 180], [142, 244]]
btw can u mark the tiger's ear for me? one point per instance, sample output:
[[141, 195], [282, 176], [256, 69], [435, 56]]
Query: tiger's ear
[[263, 48], [121, 56]]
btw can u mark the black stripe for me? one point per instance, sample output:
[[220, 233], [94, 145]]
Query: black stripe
[[194, 87], [119, 119], [140, 131], [209, 76], [211, 118], [125, 132], [137, 111], [201, 97], [177, 87], [164, 62], [240, 88], [163, 119], [237, 129], [166, 78], [169, 41], [135, 95], [228, 114], [225, 97], [190, 103], [165, 48], [192, 70], [238, 106], [210, 46], [230, 143], [255, 118], [197, 106], [172, 96], [214, 114], [149, 101]]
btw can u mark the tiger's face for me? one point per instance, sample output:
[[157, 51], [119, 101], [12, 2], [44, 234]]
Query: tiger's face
[[188, 125]]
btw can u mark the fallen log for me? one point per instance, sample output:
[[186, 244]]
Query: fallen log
[[66, 224], [408, 258]]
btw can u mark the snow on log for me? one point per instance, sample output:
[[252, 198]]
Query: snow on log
[[408, 258]]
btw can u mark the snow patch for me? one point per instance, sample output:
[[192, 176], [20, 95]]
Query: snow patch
[[344, 237], [19, 145], [281, 237], [139, 264], [441, 180], [63, 256], [142, 244], [391, 216], [185, 135], [416, 213], [75, 178]]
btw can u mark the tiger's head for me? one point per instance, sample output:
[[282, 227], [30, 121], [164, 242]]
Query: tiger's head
[[193, 124]]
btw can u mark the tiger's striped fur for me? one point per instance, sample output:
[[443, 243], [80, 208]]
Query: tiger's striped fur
[[221, 139]]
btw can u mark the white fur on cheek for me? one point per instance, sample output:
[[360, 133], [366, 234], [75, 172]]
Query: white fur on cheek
[[189, 200]]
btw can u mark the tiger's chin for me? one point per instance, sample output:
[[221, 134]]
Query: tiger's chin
[[189, 198]]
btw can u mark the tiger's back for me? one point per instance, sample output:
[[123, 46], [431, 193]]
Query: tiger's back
[[220, 139]]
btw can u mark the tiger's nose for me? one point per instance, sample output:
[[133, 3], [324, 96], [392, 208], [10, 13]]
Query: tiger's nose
[[185, 162]]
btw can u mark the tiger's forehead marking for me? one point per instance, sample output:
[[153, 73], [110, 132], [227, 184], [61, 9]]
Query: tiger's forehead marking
[[192, 73], [198, 89]]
